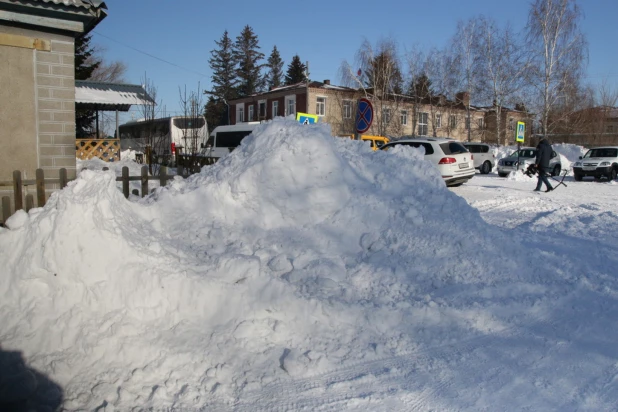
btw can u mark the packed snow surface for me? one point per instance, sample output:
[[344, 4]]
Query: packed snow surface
[[306, 272]]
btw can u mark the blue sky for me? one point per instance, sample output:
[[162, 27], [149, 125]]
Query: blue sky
[[324, 33]]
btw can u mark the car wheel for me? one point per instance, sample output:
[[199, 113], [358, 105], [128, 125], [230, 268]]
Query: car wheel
[[577, 177], [612, 174], [556, 171], [486, 168], [597, 178], [503, 174]]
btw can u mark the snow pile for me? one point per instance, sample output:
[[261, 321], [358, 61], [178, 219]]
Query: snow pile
[[295, 255]]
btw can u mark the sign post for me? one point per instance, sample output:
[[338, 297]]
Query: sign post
[[364, 116], [519, 137]]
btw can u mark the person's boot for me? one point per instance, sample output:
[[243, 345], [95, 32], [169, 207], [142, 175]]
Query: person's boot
[[549, 189]]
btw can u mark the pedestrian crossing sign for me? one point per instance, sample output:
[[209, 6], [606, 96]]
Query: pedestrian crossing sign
[[304, 118], [521, 132]]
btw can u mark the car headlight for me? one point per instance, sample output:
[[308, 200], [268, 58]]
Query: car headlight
[[604, 164], [577, 164]]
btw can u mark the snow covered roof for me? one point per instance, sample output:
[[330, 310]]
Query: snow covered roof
[[78, 3], [110, 96]]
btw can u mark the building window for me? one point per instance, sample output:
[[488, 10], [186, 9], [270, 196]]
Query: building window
[[404, 117], [453, 121], [320, 107], [347, 109], [386, 116], [240, 114], [251, 110], [276, 108], [290, 105], [481, 123], [262, 109], [511, 124], [422, 124], [438, 120]]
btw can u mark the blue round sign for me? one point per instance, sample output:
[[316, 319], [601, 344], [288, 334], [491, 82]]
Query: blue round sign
[[364, 115]]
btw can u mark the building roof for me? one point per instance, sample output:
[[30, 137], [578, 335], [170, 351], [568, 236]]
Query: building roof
[[76, 17], [109, 96]]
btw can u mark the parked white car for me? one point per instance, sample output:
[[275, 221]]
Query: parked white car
[[453, 160], [598, 162], [484, 157], [521, 161]]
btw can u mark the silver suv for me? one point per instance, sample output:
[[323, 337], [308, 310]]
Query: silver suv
[[527, 156], [598, 162], [484, 158]]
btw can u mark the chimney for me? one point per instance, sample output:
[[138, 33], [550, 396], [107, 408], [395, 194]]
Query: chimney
[[463, 97], [327, 81]]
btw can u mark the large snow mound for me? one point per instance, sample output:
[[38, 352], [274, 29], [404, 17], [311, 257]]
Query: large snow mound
[[296, 254]]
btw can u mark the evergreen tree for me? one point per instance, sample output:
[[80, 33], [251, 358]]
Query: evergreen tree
[[215, 112], [223, 66], [247, 55], [296, 71], [383, 74], [84, 119], [274, 77], [421, 87]]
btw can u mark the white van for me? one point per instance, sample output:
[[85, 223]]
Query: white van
[[224, 139]]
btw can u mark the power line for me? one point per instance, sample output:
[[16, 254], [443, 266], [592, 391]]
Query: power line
[[150, 55]]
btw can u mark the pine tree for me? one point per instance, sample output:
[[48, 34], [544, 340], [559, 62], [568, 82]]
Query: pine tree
[[215, 112], [84, 119], [223, 66], [296, 71], [246, 53], [274, 77]]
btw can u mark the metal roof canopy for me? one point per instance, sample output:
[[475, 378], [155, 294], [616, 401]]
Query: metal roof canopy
[[109, 96], [104, 96]]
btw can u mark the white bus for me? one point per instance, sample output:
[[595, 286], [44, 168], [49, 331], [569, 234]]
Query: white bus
[[165, 134], [224, 139]]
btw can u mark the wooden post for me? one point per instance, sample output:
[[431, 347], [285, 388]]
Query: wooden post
[[6, 208], [144, 181], [62, 175], [19, 203], [29, 202], [180, 170], [135, 192], [40, 188], [105, 168], [163, 176], [125, 181]]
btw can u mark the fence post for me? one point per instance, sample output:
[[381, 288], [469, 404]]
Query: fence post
[[29, 202], [125, 181], [144, 181], [163, 176], [40, 187], [180, 170], [62, 175], [6, 208], [19, 204]]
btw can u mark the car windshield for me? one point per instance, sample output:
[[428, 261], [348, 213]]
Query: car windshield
[[607, 152], [524, 153], [453, 148]]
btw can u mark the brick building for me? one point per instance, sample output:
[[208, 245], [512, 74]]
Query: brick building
[[394, 116]]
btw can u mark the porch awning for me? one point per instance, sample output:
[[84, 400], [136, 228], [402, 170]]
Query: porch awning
[[109, 96]]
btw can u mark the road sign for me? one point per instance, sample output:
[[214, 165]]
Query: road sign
[[364, 115], [305, 118], [521, 132]]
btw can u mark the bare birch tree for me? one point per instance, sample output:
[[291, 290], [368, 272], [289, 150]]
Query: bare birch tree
[[502, 65], [559, 52], [464, 44], [153, 135], [415, 58], [192, 108]]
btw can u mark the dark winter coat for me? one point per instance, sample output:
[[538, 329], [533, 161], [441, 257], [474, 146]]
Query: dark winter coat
[[543, 154]]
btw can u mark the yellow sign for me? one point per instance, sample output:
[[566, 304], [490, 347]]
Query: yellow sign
[[521, 132], [305, 118]]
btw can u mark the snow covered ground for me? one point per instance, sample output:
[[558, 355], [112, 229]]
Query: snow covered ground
[[304, 272]]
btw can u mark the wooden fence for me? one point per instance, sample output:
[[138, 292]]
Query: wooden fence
[[40, 182], [107, 150]]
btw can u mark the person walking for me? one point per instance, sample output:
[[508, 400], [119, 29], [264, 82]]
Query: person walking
[[543, 155]]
